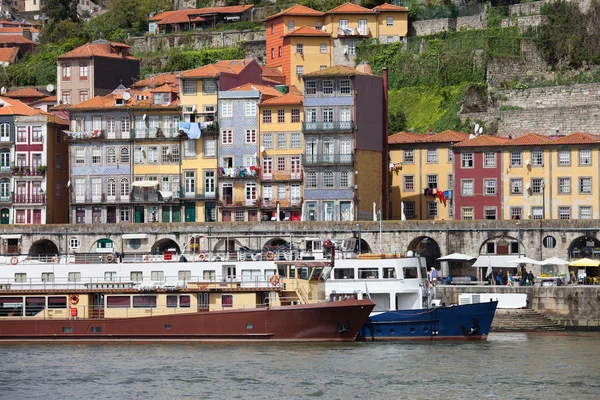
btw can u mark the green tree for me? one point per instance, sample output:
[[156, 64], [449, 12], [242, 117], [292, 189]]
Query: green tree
[[133, 14], [396, 121], [58, 10]]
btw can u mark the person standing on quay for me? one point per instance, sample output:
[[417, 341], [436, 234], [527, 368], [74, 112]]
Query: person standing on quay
[[523, 276]]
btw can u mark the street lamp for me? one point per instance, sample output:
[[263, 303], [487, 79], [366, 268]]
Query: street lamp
[[359, 246], [519, 239], [543, 200], [209, 233]]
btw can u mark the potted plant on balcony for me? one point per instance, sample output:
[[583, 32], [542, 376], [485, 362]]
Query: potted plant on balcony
[[15, 170], [159, 133], [26, 171], [41, 169]]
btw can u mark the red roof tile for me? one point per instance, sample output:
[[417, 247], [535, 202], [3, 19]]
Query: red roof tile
[[349, 8], [213, 70], [446, 137], [9, 54], [47, 99], [483, 141], [530, 139], [577, 138], [15, 39], [17, 29], [404, 137], [335, 70], [16, 107], [297, 9], [25, 92], [236, 66], [182, 16], [387, 7], [156, 80], [265, 90], [99, 49], [166, 89], [285, 100], [307, 31]]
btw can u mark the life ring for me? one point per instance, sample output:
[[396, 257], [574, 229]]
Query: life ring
[[275, 280], [110, 258], [146, 257], [270, 256], [73, 299], [201, 256], [14, 260]]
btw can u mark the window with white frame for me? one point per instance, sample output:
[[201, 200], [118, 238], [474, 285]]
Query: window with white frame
[[310, 179], [328, 115], [74, 243], [250, 136], [299, 70], [467, 187], [267, 116], [310, 114], [138, 155], [585, 185], [432, 156], [585, 212], [409, 156], [467, 160], [267, 140], [295, 115], [210, 147], [564, 212], [299, 48], [516, 158], [564, 157], [328, 181], [96, 155], [516, 186], [490, 213], [126, 127], [537, 185], [516, 213], [250, 109], [409, 183], [281, 116], [124, 157], [291, 25], [328, 87], [351, 46], [190, 182], [175, 156], [310, 88], [450, 155], [323, 48], [189, 87], [111, 155], [79, 156], [585, 157], [226, 109], [489, 160], [281, 164], [250, 191], [4, 132], [537, 212], [125, 187], [345, 87], [281, 140], [345, 179], [210, 185], [189, 148], [564, 185], [467, 213], [489, 187], [409, 209], [296, 140], [227, 136], [153, 154], [389, 21], [537, 158], [209, 86], [432, 181], [432, 209]]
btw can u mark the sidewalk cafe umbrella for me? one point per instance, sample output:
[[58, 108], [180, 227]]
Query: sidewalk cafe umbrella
[[585, 262], [524, 260], [554, 261], [456, 257]]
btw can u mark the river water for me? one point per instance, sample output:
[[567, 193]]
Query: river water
[[509, 365]]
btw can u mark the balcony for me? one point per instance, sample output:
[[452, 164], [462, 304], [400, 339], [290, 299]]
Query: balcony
[[29, 198], [228, 202], [363, 31], [6, 198], [5, 168], [282, 176], [22, 171], [327, 159], [238, 173], [333, 126], [283, 203]]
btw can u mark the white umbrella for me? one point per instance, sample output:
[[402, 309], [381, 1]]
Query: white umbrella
[[554, 261], [277, 211], [456, 257], [524, 260]]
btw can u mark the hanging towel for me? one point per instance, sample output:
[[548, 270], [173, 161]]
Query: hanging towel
[[448, 194], [434, 191], [222, 170]]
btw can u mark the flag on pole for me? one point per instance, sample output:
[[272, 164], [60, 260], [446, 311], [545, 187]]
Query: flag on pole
[[489, 271]]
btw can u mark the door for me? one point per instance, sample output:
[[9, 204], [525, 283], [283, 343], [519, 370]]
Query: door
[[97, 310], [111, 215], [362, 27], [5, 216], [37, 217], [267, 168], [328, 149], [176, 214], [228, 272], [190, 212], [96, 215], [226, 216], [166, 214], [210, 211], [139, 214]]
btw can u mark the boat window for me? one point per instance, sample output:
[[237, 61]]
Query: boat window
[[144, 301], [136, 276], [389, 273], [171, 301], [202, 300], [282, 270], [74, 276], [184, 301], [316, 273], [157, 275], [368, 273], [11, 306], [118, 302], [34, 305], [57, 302], [293, 271], [410, 272], [47, 276], [227, 300], [209, 275], [110, 275], [304, 272], [184, 275], [269, 273], [20, 277], [343, 273], [326, 273]]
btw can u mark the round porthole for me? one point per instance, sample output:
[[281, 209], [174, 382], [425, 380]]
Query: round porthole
[[135, 243], [549, 242], [392, 331], [412, 330], [425, 329]]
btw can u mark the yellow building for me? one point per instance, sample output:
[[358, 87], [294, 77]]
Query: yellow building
[[281, 163], [310, 49], [417, 163]]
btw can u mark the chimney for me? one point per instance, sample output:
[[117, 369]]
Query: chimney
[[385, 156]]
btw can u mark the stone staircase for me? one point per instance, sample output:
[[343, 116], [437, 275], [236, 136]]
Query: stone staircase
[[523, 320]]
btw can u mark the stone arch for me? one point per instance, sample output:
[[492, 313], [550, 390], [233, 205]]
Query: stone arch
[[583, 246], [104, 245], [427, 248], [275, 243], [364, 247], [227, 244], [43, 247], [501, 245], [165, 244]]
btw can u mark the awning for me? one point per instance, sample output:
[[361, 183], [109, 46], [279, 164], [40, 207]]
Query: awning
[[165, 193], [456, 257], [585, 262], [144, 184], [13, 236], [525, 260], [135, 236], [495, 261]]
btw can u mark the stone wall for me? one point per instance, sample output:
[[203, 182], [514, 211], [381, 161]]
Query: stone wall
[[572, 306], [432, 26], [530, 65], [551, 97]]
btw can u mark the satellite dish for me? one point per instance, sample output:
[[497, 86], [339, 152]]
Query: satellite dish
[[3, 90], [471, 136], [480, 130], [50, 88], [476, 127], [127, 96], [144, 117]]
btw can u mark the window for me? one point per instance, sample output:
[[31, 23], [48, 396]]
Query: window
[[125, 214], [157, 275], [564, 185], [490, 213], [299, 70], [291, 25], [318, 25], [226, 109], [66, 97], [432, 156], [281, 116], [585, 157], [125, 155], [36, 134], [267, 140], [489, 160], [323, 48], [250, 109], [489, 187], [295, 141], [209, 183], [328, 115], [345, 87], [432, 209], [467, 213], [537, 158], [272, 29], [564, 157], [299, 48], [516, 159], [209, 86], [328, 87], [585, 185], [175, 156], [352, 47], [190, 182], [537, 185], [409, 156], [409, 183], [74, 277], [328, 180], [266, 116], [537, 212], [295, 115], [281, 140], [516, 186], [96, 155], [564, 212], [4, 132], [409, 209], [281, 163], [189, 148], [250, 136], [272, 52], [111, 156], [432, 181], [189, 87], [310, 88], [210, 147], [83, 96], [467, 187], [239, 216], [310, 179], [585, 212], [227, 136], [467, 160], [516, 213], [345, 179], [125, 127], [47, 276], [124, 187], [66, 72], [165, 154], [138, 155]]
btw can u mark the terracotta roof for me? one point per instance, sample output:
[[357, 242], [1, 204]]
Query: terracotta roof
[[386, 7], [16, 107], [297, 9], [97, 49], [349, 8], [335, 70], [296, 91], [530, 139], [15, 39], [236, 66], [213, 70], [156, 80], [483, 141], [24, 92], [17, 29], [47, 99], [446, 137], [577, 138], [15, 23], [9, 54], [404, 137], [182, 16], [265, 90], [285, 100], [108, 102], [307, 31], [165, 89]]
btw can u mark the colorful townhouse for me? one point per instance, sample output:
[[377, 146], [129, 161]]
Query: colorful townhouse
[[238, 150], [478, 178], [280, 130], [301, 40], [343, 143], [94, 69], [422, 175], [198, 18]]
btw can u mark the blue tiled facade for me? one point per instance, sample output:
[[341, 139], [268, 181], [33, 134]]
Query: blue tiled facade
[[7, 140]]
